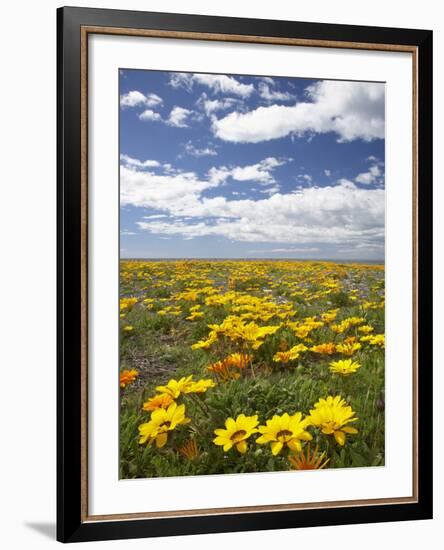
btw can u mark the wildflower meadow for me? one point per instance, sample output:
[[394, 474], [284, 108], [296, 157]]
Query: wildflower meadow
[[230, 366]]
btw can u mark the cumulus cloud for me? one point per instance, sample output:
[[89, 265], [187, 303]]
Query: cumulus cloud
[[181, 80], [175, 192], [260, 172], [373, 175], [136, 98], [129, 161], [217, 83], [153, 100], [332, 214], [267, 93], [178, 117], [149, 114], [317, 216], [270, 190], [352, 110], [210, 106], [193, 151]]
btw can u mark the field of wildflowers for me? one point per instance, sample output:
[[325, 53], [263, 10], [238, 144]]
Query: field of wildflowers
[[250, 366]]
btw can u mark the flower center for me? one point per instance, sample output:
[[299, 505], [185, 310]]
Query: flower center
[[284, 435], [331, 426], [237, 436]]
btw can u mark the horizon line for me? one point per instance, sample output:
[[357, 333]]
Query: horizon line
[[175, 258]]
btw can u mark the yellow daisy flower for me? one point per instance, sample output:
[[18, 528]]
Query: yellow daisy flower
[[332, 415], [365, 329], [344, 367], [162, 421], [200, 386], [348, 348], [175, 387], [283, 431], [236, 433]]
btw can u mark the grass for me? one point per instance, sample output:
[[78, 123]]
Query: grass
[[306, 301]]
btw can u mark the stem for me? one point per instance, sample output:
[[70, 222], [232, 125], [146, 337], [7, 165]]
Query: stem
[[246, 351], [196, 429], [200, 403]]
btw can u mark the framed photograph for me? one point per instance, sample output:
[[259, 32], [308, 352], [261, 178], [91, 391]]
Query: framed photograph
[[245, 274]]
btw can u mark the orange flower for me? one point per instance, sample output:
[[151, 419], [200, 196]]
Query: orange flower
[[328, 348], [223, 371], [127, 377], [308, 461], [160, 401], [189, 450], [239, 360], [224, 368], [283, 356]]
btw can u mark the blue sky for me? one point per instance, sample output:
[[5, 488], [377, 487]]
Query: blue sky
[[230, 166]]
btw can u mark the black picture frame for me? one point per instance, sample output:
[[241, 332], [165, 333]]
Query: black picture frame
[[71, 523]]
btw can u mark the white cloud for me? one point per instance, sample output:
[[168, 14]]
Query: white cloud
[[372, 176], [332, 214], [346, 184], [327, 173], [217, 83], [149, 114], [273, 95], [132, 99], [304, 178], [353, 110], [176, 192], [136, 98], [210, 106], [196, 152], [260, 172], [152, 100], [129, 161], [338, 213], [181, 80], [270, 190], [218, 175], [178, 117]]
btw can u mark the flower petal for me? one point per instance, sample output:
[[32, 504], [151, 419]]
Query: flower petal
[[349, 430], [276, 447], [340, 437], [161, 439]]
